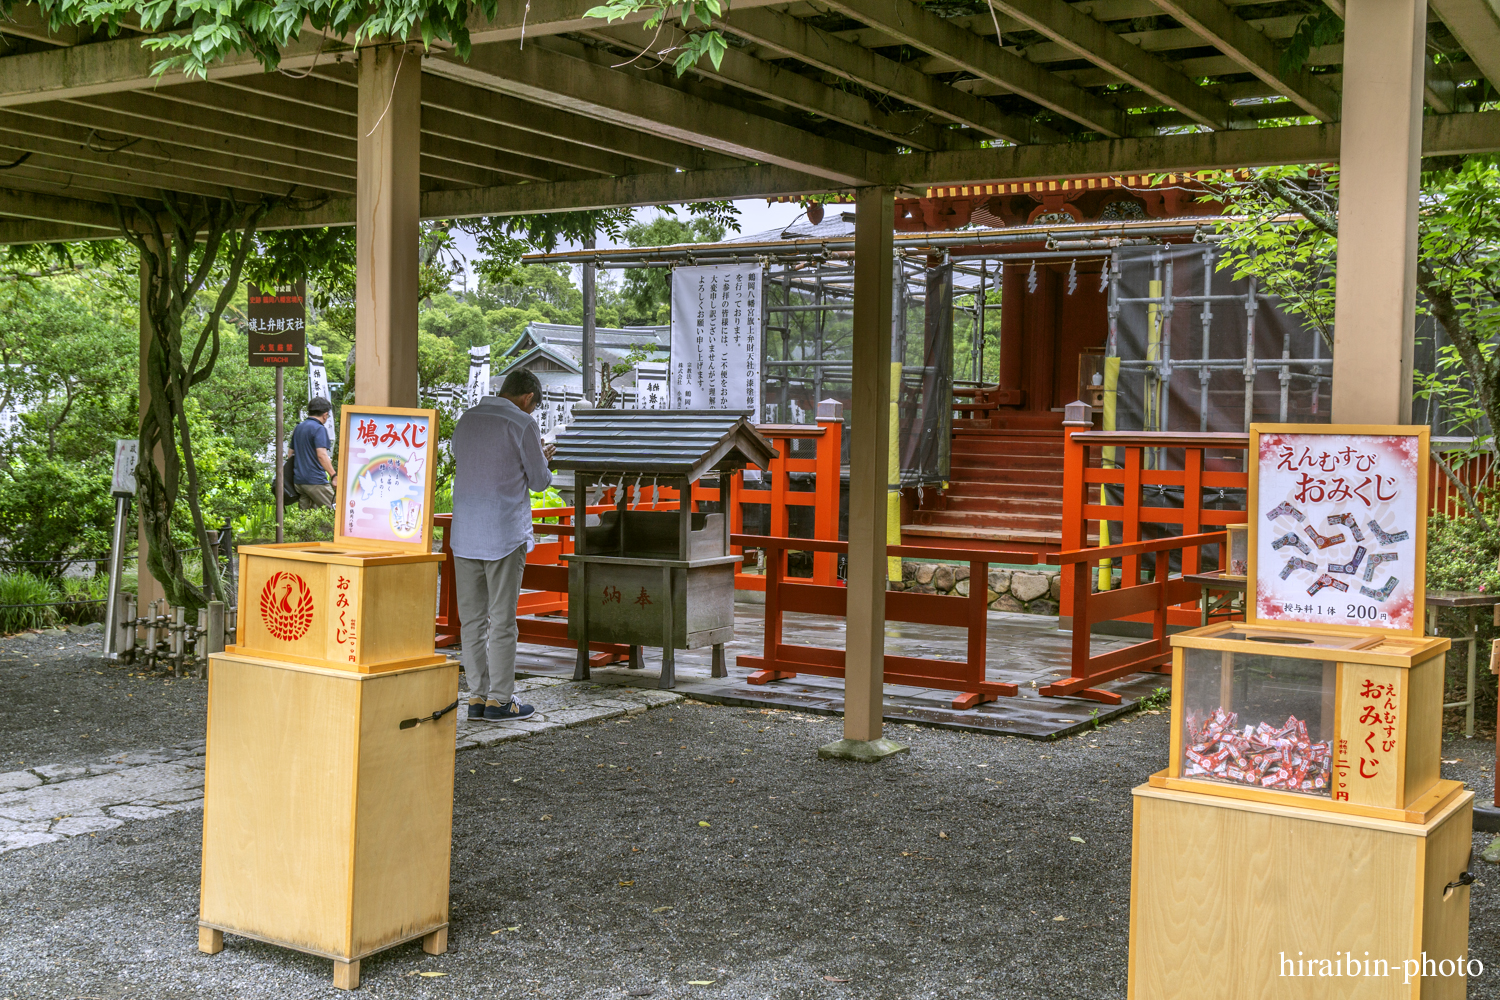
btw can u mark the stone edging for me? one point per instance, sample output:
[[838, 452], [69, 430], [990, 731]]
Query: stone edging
[[1033, 592]]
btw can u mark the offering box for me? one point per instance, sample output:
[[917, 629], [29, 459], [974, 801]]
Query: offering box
[[341, 606], [1333, 720], [327, 808]]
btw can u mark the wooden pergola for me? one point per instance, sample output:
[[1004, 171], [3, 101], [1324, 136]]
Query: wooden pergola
[[555, 111]]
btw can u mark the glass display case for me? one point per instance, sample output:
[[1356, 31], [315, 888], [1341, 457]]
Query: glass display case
[[1328, 719], [1238, 564]]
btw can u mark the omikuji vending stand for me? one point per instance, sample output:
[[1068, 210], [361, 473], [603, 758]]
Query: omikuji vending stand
[[1302, 823], [328, 800]]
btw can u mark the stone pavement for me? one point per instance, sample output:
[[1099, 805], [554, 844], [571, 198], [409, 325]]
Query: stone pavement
[[48, 803]]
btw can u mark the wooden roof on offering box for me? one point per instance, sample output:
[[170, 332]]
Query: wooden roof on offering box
[[676, 443]]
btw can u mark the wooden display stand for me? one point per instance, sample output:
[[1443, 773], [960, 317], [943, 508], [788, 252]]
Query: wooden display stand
[[1303, 817], [328, 806], [1223, 889], [326, 826]]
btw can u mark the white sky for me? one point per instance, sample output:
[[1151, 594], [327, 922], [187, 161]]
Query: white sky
[[755, 216]]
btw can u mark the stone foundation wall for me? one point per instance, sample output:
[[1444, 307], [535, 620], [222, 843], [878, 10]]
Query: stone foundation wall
[[1024, 591]]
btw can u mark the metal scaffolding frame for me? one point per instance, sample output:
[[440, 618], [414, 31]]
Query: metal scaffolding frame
[[1158, 366]]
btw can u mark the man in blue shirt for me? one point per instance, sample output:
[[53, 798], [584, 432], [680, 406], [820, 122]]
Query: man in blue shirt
[[312, 470], [500, 462]]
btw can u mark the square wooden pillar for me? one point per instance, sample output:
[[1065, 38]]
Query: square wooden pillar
[[869, 476], [1381, 155], [387, 213]]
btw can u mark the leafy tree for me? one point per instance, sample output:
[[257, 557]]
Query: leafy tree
[[648, 290], [205, 234], [1458, 274]]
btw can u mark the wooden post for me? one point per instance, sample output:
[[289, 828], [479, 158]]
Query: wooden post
[[589, 312], [864, 660], [386, 222], [1381, 156]]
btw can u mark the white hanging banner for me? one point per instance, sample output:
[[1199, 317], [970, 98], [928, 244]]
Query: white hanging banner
[[716, 337], [317, 382], [479, 373], [651, 387]]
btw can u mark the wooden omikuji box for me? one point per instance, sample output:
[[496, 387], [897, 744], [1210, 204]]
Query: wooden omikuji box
[[1344, 721], [327, 824], [328, 811], [1302, 822], [336, 605]]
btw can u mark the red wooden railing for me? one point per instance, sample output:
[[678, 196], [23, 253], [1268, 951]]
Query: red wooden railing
[[1153, 599], [783, 661], [1133, 461], [827, 438]]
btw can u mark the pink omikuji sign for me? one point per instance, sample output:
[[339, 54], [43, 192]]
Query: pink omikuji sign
[[1337, 528]]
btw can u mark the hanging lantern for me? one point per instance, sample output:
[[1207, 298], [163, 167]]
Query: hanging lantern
[[815, 212]]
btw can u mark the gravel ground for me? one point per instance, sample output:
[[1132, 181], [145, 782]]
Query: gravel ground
[[62, 703], [582, 868]]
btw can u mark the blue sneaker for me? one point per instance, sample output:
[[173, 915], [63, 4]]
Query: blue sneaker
[[476, 710], [495, 712]]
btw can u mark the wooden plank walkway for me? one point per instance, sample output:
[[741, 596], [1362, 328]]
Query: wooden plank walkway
[[1026, 650]]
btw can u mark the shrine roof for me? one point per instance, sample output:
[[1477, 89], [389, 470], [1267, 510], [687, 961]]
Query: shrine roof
[[676, 443]]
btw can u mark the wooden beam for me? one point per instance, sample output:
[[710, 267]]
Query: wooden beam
[[742, 70], [915, 26], [539, 18], [581, 87], [121, 64], [16, 231], [70, 166], [1224, 29], [155, 155], [635, 190], [1476, 26], [25, 20], [260, 160], [1085, 38], [787, 35], [51, 208], [1443, 135]]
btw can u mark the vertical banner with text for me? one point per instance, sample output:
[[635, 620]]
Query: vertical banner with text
[[479, 374], [317, 382], [716, 337]]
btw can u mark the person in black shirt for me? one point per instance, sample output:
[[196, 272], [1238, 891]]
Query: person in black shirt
[[312, 470]]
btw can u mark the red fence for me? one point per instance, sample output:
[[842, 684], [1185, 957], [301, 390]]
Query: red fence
[[782, 661], [1136, 463], [1154, 600]]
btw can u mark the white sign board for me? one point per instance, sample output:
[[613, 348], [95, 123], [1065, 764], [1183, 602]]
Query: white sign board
[[651, 391], [716, 337], [479, 374], [1339, 525], [123, 481], [555, 411]]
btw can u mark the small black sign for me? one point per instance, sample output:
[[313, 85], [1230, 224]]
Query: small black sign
[[278, 326]]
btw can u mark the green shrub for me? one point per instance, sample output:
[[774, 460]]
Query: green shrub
[[315, 525], [1463, 555], [82, 598], [27, 590], [51, 509]]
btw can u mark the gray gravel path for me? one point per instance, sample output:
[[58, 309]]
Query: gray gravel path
[[62, 703], [934, 875]]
